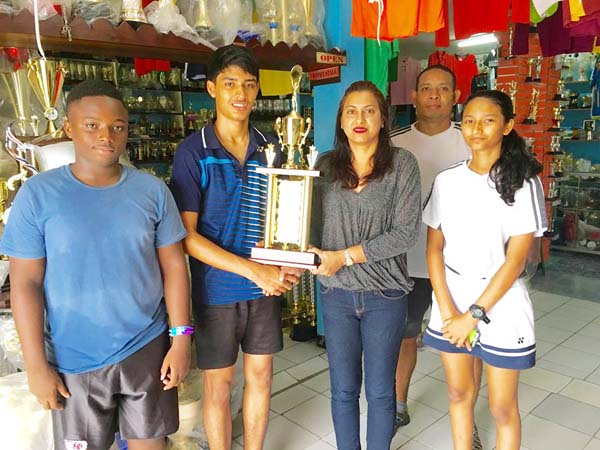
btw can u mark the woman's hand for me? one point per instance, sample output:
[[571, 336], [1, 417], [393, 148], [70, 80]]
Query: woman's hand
[[457, 328], [331, 261]]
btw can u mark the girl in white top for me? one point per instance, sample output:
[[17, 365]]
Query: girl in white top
[[483, 215]]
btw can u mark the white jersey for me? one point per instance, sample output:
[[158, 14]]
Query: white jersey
[[476, 222], [477, 225], [434, 154]]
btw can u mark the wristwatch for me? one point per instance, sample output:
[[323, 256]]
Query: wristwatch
[[478, 312], [348, 258]]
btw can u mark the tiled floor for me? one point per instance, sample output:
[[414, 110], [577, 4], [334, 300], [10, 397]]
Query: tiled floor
[[559, 399]]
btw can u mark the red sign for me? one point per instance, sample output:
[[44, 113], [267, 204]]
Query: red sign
[[324, 74], [331, 58]]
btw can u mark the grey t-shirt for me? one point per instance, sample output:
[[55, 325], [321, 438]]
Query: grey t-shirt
[[384, 218]]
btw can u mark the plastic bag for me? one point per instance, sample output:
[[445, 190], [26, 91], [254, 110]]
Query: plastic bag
[[314, 33], [164, 15], [45, 7], [25, 424], [6, 7], [248, 29], [225, 16], [92, 10], [10, 343]]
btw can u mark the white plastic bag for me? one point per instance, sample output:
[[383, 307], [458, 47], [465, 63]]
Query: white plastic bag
[[25, 424], [10, 343], [164, 15], [92, 10], [45, 7]]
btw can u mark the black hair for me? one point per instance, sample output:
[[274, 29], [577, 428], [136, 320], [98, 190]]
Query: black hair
[[340, 158], [231, 55], [438, 67], [515, 164], [94, 88]]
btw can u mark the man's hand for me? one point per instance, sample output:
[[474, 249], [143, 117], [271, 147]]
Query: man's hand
[[270, 279], [291, 274], [176, 364], [48, 387]]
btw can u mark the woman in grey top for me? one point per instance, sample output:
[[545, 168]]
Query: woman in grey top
[[367, 215]]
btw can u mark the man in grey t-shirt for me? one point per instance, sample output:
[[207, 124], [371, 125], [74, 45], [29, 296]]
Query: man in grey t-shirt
[[437, 143]]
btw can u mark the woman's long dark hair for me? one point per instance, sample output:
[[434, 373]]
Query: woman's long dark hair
[[340, 159], [515, 164]]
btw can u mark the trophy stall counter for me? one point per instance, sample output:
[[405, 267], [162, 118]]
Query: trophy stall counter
[[289, 192]]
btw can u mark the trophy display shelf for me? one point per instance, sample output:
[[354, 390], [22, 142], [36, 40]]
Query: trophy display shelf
[[101, 38]]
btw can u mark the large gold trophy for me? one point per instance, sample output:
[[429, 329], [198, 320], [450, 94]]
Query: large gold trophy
[[46, 79], [289, 192]]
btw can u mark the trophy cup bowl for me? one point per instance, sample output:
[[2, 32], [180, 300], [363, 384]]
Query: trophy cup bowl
[[46, 79], [19, 96], [289, 192]]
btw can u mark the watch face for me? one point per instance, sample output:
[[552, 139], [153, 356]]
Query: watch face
[[476, 312]]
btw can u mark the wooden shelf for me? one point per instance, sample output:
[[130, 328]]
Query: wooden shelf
[[101, 38]]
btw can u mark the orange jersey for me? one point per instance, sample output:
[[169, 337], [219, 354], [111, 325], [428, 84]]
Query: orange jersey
[[399, 18]]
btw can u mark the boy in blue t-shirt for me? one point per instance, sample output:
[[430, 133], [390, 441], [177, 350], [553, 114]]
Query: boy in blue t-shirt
[[93, 248]]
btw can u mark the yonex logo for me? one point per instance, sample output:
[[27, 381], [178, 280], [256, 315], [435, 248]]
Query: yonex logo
[[521, 340]]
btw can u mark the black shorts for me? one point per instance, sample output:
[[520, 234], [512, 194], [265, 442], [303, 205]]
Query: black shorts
[[127, 396], [419, 299], [221, 329]]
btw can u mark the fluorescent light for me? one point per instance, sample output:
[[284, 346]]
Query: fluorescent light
[[478, 39]]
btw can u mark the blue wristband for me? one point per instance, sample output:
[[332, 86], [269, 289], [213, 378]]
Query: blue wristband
[[181, 331]]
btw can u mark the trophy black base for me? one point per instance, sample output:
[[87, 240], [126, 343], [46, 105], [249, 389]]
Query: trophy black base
[[558, 98], [274, 257], [556, 129], [537, 80], [528, 79], [510, 57], [303, 332], [555, 153], [529, 121]]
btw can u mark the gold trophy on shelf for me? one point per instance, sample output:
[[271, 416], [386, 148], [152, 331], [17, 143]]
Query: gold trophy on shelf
[[530, 65], [289, 192], [533, 108], [512, 93], [510, 43], [201, 20], [46, 79], [538, 69], [132, 11]]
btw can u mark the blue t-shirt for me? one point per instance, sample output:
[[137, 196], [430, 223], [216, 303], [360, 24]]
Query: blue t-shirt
[[230, 199], [102, 286]]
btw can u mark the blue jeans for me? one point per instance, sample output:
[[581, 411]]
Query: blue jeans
[[369, 322]]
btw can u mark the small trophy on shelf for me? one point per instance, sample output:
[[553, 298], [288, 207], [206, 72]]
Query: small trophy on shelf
[[510, 43], [289, 192], [538, 69], [552, 191], [559, 96], [556, 170], [556, 119], [530, 64], [588, 127], [533, 108], [512, 93], [530, 144], [555, 146]]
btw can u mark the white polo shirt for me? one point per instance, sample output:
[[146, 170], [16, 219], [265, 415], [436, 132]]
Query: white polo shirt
[[476, 222], [434, 154]]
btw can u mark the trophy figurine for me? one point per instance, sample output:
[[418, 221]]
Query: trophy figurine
[[556, 119], [560, 92], [513, 95], [530, 64], [556, 169], [588, 127], [538, 69], [533, 108], [289, 192], [510, 43], [555, 146]]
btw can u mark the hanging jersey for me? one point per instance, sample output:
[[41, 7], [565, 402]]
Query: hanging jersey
[[401, 90]]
